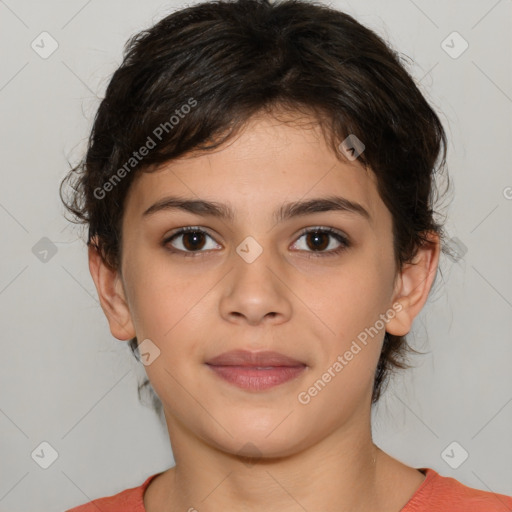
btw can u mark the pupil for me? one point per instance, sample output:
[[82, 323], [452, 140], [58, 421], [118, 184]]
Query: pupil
[[195, 235], [316, 236]]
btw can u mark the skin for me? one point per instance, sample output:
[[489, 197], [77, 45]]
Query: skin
[[319, 456]]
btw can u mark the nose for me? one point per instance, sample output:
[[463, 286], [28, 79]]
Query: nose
[[256, 292]]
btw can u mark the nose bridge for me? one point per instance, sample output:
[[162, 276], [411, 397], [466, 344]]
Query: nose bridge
[[254, 262], [256, 290]]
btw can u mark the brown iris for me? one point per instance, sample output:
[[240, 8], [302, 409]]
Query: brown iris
[[193, 240], [317, 237]]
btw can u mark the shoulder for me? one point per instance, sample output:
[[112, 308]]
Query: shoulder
[[129, 500], [439, 493]]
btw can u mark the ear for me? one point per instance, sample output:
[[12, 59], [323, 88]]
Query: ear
[[111, 294], [412, 286]]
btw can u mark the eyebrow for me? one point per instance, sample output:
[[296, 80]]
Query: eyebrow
[[285, 212]]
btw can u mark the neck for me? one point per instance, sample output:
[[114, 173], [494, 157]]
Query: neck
[[340, 472]]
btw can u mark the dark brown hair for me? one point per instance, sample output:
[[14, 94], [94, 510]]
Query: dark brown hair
[[194, 79]]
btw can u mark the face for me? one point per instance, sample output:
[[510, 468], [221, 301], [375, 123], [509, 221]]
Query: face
[[257, 282]]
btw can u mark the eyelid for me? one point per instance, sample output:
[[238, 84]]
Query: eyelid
[[333, 232], [325, 229], [340, 236], [183, 230]]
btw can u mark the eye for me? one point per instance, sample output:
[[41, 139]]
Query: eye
[[190, 239], [319, 239]]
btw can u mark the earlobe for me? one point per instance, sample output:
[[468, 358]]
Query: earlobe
[[413, 285], [111, 294]]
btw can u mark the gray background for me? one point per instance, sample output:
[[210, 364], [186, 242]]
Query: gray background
[[66, 381]]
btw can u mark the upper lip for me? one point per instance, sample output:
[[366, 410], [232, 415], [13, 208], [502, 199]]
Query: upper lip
[[248, 358]]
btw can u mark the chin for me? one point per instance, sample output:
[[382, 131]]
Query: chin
[[266, 444]]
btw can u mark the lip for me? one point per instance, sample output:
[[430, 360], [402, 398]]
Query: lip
[[248, 358], [255, 371]]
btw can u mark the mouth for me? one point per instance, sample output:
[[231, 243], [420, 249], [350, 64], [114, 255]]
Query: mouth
[[255, 371]]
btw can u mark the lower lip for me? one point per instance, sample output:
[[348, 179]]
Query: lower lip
[[251, 378]]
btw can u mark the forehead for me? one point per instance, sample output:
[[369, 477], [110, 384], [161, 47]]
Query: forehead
[[268, 163]]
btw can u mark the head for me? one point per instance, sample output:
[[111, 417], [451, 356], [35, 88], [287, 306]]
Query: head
[[246, 107]]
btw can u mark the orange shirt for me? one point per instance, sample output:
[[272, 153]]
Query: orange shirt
[[436, 494]]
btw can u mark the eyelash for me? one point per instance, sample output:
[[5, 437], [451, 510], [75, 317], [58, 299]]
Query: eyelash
[[314, 254]]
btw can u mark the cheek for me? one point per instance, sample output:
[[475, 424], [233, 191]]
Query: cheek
[[352, 303], [158, 295], [174, 311], [351, 306], [352, 300]]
